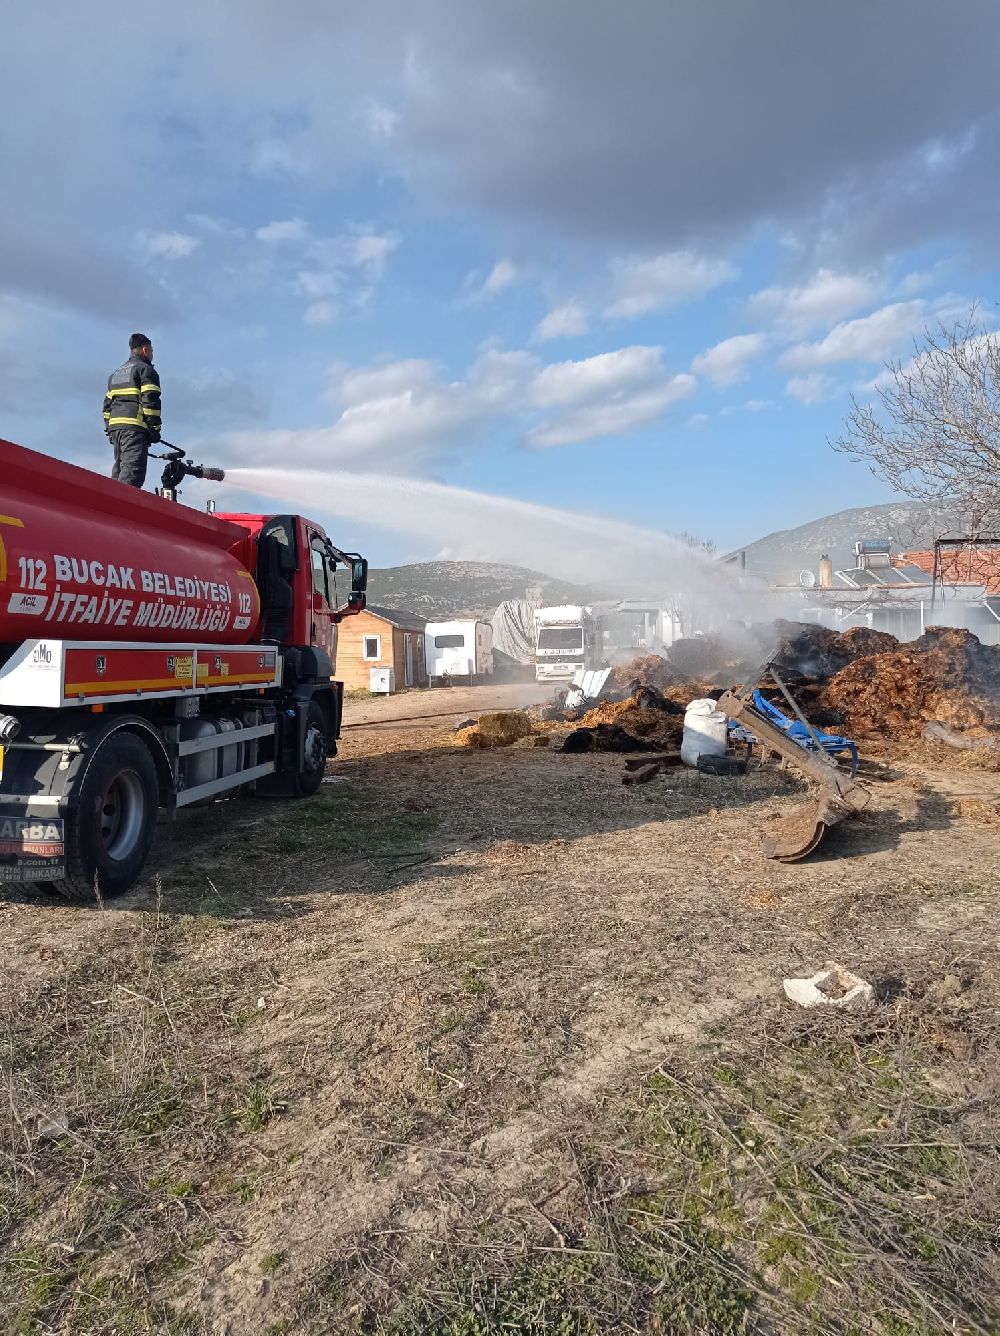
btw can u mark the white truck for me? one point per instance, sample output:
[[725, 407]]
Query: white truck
[[459, 650], [567, 638]]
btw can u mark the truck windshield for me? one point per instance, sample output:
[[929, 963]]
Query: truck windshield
[[560, 637], [449, 642]]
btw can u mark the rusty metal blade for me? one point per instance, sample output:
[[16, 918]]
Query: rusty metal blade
[[796, 835]]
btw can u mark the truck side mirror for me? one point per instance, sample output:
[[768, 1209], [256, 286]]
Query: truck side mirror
[[359, 575]]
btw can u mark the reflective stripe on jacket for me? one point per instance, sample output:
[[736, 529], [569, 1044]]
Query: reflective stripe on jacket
[[133, 397]]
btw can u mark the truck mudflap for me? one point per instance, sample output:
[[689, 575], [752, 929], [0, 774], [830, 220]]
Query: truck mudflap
[[39, 786], [32, 816], [32, 848]]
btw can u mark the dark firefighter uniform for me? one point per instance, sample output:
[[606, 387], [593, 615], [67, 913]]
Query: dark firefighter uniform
[[132, 417]]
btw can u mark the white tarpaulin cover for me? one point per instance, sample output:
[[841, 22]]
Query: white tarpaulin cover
[[514, 630]]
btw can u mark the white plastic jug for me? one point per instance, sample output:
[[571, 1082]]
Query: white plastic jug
[[704, 731]]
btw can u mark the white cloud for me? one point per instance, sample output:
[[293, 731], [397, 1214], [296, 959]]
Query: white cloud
[[729, 360], [917, 281], [317, 283], [319, 313], [562, 322], [697, 421], [616, 416], [568, 383], [380, 121], [501, 378], [371, 251], [643, 285], [403, 414], [406, 414], [871, 338], [605, 395], [289, 229], [757, 405], [169, 245], [477, 289], [367, 384], [811, 389], [827, 296], [501, 276], [216, 227], [274, 157]]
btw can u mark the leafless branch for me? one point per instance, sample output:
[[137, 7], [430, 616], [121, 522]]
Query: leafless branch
[[932, 426]]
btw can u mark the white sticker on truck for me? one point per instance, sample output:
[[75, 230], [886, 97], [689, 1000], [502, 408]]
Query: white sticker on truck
[[33, 605]]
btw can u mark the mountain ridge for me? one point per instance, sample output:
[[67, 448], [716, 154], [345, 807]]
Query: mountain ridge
[[444, 590], [911, 525]]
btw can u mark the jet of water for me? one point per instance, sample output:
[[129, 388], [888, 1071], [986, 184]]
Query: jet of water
[[586, 549], [475, 525]]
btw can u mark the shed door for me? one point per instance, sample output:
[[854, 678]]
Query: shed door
[[408, 658]]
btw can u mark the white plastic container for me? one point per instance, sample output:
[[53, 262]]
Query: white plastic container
[[705, 729]]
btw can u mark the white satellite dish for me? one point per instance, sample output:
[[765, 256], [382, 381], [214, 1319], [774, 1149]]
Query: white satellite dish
[[807, 579]]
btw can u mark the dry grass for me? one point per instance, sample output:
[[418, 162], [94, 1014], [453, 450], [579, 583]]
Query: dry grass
[[124, 1099], [510, 853], [982, 811], [478, 1043], [733, 1188]]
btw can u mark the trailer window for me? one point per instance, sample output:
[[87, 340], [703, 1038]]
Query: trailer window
[[560, 637], [372, 648], [449, 642]]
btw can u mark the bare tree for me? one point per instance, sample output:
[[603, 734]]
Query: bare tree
[[706, 545], [932, 429]]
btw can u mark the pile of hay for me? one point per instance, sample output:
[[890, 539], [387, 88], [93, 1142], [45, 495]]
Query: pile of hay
[[648, 670], [495, 730], [816, 652], [947, 674], [645, 721]]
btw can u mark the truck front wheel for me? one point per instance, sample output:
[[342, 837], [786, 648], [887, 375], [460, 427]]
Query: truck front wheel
[[111, 828], [312, 762]]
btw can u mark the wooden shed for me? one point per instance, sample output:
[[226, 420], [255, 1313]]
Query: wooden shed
[[382, 638]]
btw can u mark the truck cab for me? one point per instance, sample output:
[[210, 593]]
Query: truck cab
[[304, 593], [567, 639]]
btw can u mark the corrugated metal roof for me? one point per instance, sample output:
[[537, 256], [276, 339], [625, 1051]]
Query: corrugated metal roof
[[588, 683]]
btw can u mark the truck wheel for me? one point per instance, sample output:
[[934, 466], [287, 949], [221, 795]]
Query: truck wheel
[[109, 832], [312, 763]]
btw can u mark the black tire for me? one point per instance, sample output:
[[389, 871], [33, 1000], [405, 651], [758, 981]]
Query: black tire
[[110, 830], [312, 762]]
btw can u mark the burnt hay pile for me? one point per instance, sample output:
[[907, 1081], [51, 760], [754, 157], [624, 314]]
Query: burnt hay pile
[[862, 682], [816, 652], [947, 674], [646, 720], [649, 670]]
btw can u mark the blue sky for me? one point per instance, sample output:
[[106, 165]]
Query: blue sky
[[631, 263]]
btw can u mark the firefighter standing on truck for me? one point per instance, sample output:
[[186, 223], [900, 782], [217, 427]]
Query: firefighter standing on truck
[[132, 412]]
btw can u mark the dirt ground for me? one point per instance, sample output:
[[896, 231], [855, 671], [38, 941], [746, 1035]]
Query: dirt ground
[[488, 1042]]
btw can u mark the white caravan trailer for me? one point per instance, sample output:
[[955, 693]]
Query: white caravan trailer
[[459, 650]]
